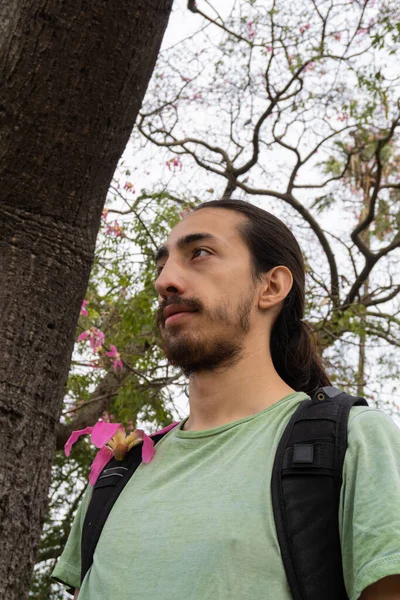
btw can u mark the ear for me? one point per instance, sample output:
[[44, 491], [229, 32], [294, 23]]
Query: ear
[[278, 283]]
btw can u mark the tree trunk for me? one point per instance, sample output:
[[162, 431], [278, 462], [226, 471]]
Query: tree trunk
[[73, 78]]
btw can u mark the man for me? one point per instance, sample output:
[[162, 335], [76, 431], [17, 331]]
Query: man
[[197, 521]]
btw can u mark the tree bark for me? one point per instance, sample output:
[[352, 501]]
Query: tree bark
[[73, 79]]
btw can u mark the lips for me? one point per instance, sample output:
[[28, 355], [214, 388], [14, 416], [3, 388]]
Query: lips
[[172, 309]]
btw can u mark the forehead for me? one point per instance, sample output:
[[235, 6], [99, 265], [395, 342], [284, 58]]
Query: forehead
[[215, 226], [220, 222]]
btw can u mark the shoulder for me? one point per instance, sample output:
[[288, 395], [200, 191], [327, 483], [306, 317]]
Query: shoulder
[[373, 443], [373, 431], [368, 515], [366, 421]]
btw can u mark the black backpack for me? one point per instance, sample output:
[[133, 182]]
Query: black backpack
[[305, 485]]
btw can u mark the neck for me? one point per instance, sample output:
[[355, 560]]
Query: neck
[[248, 387]]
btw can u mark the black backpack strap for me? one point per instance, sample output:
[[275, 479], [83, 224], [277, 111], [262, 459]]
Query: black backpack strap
[[106, 490], [305, 486]]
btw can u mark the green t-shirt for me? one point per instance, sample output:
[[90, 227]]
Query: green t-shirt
[[197, 521]]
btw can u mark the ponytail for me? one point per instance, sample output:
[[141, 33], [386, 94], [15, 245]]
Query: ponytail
[[294, 351]]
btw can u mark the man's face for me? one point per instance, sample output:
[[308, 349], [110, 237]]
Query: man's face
[[213, 277]]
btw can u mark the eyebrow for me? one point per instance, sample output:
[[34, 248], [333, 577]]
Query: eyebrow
[[185, 241]]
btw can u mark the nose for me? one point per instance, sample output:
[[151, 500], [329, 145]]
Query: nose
[[170, 280]]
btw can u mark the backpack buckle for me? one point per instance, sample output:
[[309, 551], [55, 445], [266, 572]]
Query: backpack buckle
[[303, 454], [326, 392]]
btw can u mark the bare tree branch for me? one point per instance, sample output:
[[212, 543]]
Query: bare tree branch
[[255, 142], [372, 331], [192, 6], [362, 226], [390, 296]]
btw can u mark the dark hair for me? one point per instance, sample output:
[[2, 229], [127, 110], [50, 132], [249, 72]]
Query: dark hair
[[294, 345]]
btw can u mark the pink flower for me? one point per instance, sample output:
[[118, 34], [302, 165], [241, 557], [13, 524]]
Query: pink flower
[[116, 229], [174, 162], [83, 309], [95, 336], [251, 32], [115, 354], [100, 434], [337, 36], [118, 363], [270, 48], [104, 214], [129, 187], [307, 26], [113, 442]]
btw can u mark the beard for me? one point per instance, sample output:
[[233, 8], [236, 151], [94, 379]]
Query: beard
[[213, 343]]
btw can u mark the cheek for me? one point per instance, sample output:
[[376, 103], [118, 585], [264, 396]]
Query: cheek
[[224, 287], [230, 281]]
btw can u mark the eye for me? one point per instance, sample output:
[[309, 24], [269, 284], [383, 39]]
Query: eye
[[201, 250], [159, 269]]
